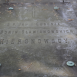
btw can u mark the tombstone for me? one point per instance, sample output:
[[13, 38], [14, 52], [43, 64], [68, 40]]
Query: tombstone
[[34, 41]]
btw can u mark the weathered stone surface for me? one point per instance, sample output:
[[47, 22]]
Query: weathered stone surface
[[37, 39]]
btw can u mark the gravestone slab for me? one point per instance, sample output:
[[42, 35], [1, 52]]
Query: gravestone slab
[[35, 41]]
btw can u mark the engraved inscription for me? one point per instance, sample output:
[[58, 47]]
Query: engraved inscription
[[32, 41], [33, 24], [34, 31]]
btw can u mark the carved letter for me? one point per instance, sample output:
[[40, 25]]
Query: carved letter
[[53, 41], [44, 31], [67, 31], [5, 32], [40, 31], [39, 40], [71, 31], [22, 31], [59, 40], [48, 31], [52, 31], [13, 24], [34, 31], [26, 41], [19, 41], [6, 41], [29, 31], [56, 31], [1, 31], [9, 32], [46, 40], [1, 41], [12, 41], [60, 31], [32, 41], [65, 40], [8, 24], [16, 32]]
